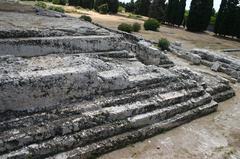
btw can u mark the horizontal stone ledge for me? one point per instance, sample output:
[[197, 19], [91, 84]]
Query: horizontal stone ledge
[[28, 47]]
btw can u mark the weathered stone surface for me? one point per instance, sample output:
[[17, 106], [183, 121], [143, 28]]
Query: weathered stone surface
[[218, 87], [215, 60], [216, 66], [94, 94]]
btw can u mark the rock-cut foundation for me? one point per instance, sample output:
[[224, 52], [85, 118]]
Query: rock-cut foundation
[[82, 96]]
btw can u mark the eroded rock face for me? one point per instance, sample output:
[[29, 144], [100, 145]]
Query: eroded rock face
[[93, 94], [217, 86], [220, 62]]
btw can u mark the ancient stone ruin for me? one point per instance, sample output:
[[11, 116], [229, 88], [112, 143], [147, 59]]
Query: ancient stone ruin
[[79, 90]]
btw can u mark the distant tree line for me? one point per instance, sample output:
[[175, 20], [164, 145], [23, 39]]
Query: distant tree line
[[107, 6], [228, 19], [197, 19], [200, 15]]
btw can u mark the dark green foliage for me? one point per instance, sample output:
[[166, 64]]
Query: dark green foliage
[[175, 12], [110, 5], [213, 20], [130, 7], [151, 24], [142, 7], [57, 9], [74, 2], [83, 3], [199, 15], [98, 3], [62, 2], [86, 18], [41, 5], [163, 44], [113, 6], [121, 9], [157, 10], [87, 4], [136, 27], [180, 12], [227, 22], [125, 27], [171, 14], [103, 9]]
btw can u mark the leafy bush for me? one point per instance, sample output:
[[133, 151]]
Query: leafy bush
[[86, 18], [151, 24], [134, 16], [164, 44], [62, 2], [136, 27], [213, 20], [41, 5], [121, 9], [103, 9], [57, 9], [125, 27]]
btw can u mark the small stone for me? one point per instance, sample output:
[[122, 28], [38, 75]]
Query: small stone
[[216, 66]]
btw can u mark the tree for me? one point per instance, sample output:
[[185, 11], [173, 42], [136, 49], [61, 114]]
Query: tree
[[113, 6], [99, 3], [199, 15], [130, 7], [74, 2], [180, 12], [175, 11], [157, 9], [227, 22], [171, 13], [237, 30], [142, 7], [218, 28], [87, 4]]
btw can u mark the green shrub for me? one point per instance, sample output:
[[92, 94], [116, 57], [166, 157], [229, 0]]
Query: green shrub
[[151, 24], [41, 5], [103, 9], [86, 18], [121, 9], [57, 9], [134, 16], [62, 2], [136, 27], [163, 44], [125, 27]]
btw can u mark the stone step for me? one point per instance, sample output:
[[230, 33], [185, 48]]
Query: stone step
[[224, 95], [128, 96], [46, 89], [63, 143], [20, 137], [38, 46], [114, 54], [110, 144]]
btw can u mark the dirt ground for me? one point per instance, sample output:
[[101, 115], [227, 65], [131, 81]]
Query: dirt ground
[[188, 39]]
